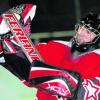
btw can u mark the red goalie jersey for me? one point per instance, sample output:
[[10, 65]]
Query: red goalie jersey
[[58, 53]]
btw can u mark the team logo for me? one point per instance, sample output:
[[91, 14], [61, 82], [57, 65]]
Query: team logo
[[92, 90]]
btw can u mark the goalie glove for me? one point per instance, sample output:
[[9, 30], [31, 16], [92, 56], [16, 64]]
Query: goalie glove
[[24, 13]]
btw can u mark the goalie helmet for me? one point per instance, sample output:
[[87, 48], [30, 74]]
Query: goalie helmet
[[92, 23]]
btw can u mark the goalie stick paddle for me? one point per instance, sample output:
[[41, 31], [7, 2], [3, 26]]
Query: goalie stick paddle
[[22, 38]]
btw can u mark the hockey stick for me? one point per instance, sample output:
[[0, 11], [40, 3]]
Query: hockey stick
[[22, 38]]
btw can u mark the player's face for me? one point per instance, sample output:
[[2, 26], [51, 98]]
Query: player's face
[[84, 35]]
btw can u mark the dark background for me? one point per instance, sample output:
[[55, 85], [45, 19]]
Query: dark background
[[55, 15]]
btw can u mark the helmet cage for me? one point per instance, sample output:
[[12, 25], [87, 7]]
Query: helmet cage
[[88, 27]]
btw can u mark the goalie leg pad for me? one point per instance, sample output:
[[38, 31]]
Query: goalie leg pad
[[54, 80]]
